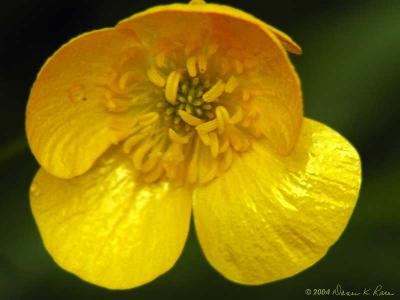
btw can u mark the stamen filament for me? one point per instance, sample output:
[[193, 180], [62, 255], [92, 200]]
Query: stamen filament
[[193, 169], [214, 92], [139, 154], [231, 85], [237, 116], [171, 89], [190, 119], [155, 77], [214, 144], [148, 119], [222, 116], [202, 62], [132, 142], [155, 174], [191, 66], [211, 174], [176, 138], [207, 126]]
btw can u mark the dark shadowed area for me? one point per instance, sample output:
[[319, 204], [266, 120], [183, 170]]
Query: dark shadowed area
[[350, 71]]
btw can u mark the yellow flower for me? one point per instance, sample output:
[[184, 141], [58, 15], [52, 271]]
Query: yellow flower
[[177, 108]]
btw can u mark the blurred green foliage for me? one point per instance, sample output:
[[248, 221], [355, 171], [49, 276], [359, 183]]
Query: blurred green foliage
[[350, 72]]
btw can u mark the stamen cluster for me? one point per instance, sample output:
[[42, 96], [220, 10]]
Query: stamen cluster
[[193, 122]]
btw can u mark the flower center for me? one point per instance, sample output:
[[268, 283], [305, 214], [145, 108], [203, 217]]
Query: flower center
[[183, 120], [184, 105]]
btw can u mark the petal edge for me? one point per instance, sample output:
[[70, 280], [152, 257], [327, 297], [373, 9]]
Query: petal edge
[[279, 215], [109, 229]]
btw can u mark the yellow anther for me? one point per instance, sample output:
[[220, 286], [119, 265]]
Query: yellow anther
[[231, 85], [191, 66], [207, 127], [202, 63], [174, 155], [189, 119], [132, 142], [176, 138], [214, 92], [148, 119], [171, 89], [222, 116], [155, 77], [237, 117], [205, 138]]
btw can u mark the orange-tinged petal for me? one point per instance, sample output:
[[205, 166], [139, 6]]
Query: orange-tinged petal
[[271, 217], [257, 50], [107, 227], [286, 41], [66, 119]]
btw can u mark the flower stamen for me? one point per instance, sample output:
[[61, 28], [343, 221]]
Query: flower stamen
[[155, 77], [171, 88], [191, 66], [214, 92], [192, 112]]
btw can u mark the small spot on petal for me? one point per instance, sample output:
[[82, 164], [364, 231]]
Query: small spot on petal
[[77, 93]]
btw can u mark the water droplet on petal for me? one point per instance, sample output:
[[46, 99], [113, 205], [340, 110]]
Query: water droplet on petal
[[35, 190], [77, 93]]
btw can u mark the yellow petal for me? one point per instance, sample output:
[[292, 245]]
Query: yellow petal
[[257, 48], [286, 41], [107, 227], [271, 217], [67, 124]]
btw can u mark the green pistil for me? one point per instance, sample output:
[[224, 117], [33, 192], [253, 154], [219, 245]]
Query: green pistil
[[207, 106], [177, 120], [198, 112], [198, 103], [188, 108], [189, 99]]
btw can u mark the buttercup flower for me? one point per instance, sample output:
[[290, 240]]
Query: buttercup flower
[[181, 108]]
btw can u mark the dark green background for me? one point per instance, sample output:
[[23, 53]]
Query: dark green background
[[350, 72]]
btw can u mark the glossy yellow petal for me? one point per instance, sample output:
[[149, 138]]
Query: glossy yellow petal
[[66, 119], [271, 217], [107, 227], [257, 50]]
